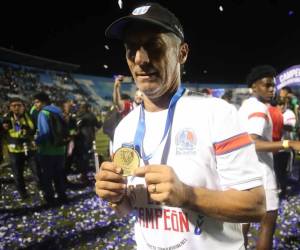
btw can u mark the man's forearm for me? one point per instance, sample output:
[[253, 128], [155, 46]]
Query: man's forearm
[[266, 146], [231, 205], [117, 97]]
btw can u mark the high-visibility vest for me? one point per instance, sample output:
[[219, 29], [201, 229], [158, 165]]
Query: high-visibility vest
[[18, 137]]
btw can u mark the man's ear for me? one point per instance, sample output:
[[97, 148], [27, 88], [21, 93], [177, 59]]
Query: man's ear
[[183, 53]]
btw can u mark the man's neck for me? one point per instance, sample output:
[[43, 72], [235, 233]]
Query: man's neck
[[157, 104], [17, 116], [261, 99]]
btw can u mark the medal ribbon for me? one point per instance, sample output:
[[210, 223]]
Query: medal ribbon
[[141, 127]]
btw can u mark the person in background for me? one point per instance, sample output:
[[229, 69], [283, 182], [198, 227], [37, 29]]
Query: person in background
[[87, 126], [227, 96], [286, 94], [19, 133], [255, 117], [70, 120], [34, 115], [123, 103], [206, 91], [196, 181], [287, 156], [289, 121], [51, 156]]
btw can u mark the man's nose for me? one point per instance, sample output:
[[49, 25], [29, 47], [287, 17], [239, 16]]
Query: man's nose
[[141, 56]]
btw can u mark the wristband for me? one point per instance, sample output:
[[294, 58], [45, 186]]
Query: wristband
[[285, 144]]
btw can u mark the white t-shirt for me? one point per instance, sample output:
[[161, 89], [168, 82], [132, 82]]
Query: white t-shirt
[[207, 149], [289, 118], [256, 120]]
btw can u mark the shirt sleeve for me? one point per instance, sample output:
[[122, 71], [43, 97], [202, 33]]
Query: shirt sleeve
[[237, 162], [256, 119], [43, 128]]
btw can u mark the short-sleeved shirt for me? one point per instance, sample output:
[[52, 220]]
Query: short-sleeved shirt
[[289, 118], [256, 120], [206, 148]]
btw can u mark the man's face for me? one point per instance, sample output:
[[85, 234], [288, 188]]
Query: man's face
[[283, 93], [38, 104], [264, 89], [17, 107], [153, 59]]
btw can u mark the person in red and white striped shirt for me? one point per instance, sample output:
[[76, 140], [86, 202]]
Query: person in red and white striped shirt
[[257, 122]]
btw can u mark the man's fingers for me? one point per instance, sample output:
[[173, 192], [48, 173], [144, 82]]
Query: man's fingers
[[109, 166], [108, 195], [141, 171], [112, 186], [158, 188], [109, 176], [159, 197], [152, 178]]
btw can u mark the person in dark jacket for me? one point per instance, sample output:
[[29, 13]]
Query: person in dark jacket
[[87, 125], [51, 156]]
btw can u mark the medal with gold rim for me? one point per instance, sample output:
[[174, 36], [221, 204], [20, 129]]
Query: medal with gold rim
[[128, 159]]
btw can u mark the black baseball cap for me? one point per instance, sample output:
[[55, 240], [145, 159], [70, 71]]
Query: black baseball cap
[[149, 13]]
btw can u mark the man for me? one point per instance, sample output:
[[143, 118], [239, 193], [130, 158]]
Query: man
[[87, 125], [284, 165], [286, 94], [125, 105], [51, 156], [197, 176], [289, 121], [19, 131], [70, 120], [255, 116]]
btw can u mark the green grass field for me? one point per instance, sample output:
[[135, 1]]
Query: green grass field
[[102, 143]]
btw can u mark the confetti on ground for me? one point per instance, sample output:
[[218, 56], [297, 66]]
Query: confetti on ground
[[86, 222]]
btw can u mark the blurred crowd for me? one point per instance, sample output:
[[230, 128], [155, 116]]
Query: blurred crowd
[[49, 128], [23, 82]]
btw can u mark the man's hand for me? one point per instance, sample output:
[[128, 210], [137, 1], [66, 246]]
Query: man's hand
[[118, 80], [163, 185], [110, 184]]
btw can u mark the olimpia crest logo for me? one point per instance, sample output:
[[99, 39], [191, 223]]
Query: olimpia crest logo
[[186, 141], [140, 10]]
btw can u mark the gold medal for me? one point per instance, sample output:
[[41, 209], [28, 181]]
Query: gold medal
[[128, 159]]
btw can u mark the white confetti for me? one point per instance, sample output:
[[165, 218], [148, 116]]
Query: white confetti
[[120, 4]]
